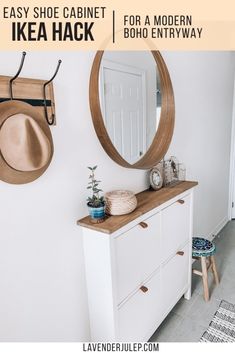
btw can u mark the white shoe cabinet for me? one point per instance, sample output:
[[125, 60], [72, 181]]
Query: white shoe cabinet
[[139, 265]]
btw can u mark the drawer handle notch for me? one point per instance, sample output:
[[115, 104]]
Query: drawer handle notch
[[181, 253], [181, 201], [144, 289], [143, 225]]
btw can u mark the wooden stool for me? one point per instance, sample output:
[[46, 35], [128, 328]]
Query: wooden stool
[[204, 250]]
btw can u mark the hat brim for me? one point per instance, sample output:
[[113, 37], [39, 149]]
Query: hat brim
[[8, 174]]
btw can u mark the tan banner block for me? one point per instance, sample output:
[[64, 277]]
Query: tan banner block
[[117, 25]]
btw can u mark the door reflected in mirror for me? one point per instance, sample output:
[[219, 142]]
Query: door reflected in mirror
[[130, 100]]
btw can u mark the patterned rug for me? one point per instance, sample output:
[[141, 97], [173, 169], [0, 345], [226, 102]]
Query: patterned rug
[[222, 326]]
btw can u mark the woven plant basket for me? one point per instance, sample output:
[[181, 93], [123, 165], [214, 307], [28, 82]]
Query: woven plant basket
[[120, 202]]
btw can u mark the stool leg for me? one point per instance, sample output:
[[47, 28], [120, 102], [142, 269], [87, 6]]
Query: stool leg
[[214, 270], [205, 278]]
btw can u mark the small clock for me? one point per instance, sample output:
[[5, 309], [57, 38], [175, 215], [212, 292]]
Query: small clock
[[156, 179]]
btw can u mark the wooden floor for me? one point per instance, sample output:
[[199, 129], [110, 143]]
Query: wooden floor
[[189, 319]]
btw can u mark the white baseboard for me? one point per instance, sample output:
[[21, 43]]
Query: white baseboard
[[218, 228]]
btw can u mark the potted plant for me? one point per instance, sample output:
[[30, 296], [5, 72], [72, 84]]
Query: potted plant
[[95, 203]]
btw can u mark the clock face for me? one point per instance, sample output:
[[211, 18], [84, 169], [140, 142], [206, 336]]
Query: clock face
[[156, 179]]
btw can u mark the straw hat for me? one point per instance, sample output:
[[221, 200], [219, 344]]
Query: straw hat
[[26, 146]]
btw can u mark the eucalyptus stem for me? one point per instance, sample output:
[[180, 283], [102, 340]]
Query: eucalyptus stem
[[95, 200]]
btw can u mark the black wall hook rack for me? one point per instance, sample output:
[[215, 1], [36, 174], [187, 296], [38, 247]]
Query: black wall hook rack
[[36, 102]]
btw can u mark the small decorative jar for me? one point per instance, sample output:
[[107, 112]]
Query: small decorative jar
[[120, 202], [182, 172]]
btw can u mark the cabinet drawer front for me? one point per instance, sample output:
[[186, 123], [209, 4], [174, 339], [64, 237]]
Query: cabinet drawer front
[[175, 277], [141, 313], [138, 254], [175, 226]]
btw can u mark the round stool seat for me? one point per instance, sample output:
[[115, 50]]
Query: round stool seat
[[202, 247]]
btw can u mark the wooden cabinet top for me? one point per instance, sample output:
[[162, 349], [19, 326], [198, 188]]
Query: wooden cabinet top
[[147, 200]]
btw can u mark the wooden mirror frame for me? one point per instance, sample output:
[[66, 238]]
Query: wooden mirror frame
[[163, 136]]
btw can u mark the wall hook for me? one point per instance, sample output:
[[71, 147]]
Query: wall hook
[[37, 98], [17, 74], [52, 120]]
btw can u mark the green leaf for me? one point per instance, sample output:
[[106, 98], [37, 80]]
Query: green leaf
[[90, 168], [89, 187], [94, 168]]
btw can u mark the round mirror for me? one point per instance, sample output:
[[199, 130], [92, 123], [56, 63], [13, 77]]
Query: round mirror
[[132, 106]]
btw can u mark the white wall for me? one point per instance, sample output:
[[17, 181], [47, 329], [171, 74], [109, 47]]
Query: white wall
[[203, 87], [42, 286]]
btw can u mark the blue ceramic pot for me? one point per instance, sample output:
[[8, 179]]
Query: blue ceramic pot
[[96, 213]]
